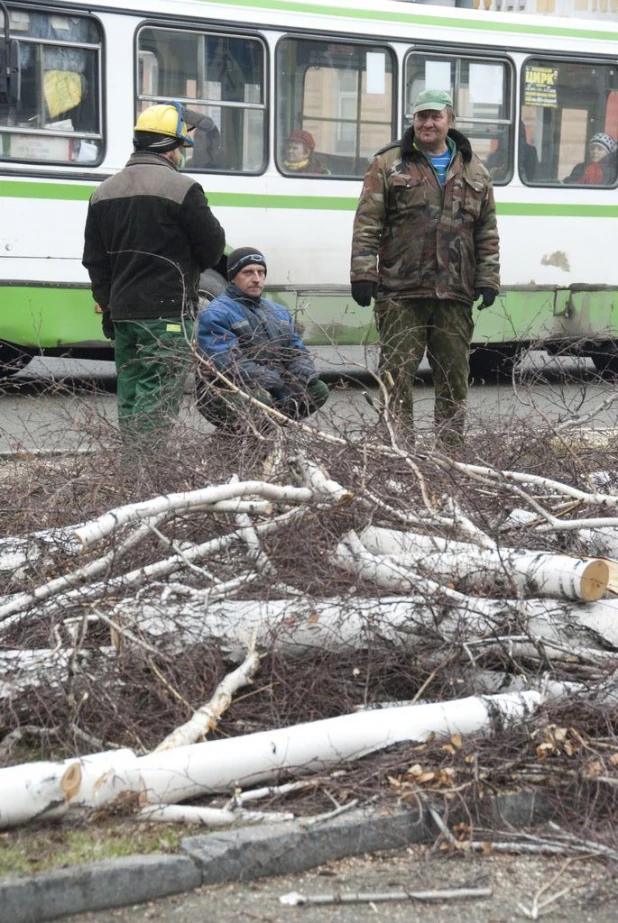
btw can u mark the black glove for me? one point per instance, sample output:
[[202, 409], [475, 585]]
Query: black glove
[[363, 292], [107, 326], [487, 294]]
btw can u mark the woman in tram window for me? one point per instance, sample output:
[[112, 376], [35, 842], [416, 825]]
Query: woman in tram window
[[600, 168], [300, 157]]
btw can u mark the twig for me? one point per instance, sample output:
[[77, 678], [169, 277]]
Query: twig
[[294, 899], [537, 905], [318, 818]]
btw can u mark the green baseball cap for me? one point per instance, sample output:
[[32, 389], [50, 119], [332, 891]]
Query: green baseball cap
[[432, 99]]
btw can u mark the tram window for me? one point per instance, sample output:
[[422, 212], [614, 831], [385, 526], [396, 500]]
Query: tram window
[[566, 107], [50, 109], [220, 77], [481, 91], [335, 106]]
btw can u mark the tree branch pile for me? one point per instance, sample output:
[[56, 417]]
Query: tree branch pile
[[333, 616]]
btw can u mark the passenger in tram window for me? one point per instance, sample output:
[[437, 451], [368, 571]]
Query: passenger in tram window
[[528, 155], [498, 162], [207, 153], [600, 168], [300, 156], [425, 245], [252, 342]]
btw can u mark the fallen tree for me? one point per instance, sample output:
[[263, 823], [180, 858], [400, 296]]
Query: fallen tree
[[320, 570], [40, 790]]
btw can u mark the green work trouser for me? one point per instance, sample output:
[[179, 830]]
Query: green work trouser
[[409, 326], [225, 409], [152, 361]]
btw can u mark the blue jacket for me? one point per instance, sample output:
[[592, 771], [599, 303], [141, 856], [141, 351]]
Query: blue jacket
[[253, 342]]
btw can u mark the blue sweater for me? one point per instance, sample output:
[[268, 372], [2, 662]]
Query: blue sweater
[[253, 342]]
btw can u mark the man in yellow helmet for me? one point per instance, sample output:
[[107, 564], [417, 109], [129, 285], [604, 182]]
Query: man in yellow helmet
[[149, 233]]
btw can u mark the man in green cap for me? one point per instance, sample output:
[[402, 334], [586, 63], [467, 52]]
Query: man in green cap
[[425, 246]]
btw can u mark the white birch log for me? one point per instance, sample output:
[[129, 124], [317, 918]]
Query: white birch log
[[210, 817], [298, 627], [207, 717], [37, 790], [536, 573], [20, 554], [551, 621], [29, 669], [315, 478], [187, 500], [47, 789]]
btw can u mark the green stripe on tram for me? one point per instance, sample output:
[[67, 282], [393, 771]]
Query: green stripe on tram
[[71, 192], [424, 19], [74, 192]]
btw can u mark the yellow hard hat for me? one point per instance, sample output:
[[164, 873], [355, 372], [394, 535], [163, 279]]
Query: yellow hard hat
[[164, 119]]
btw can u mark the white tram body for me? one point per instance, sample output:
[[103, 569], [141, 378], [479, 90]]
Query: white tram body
[[530, 92]]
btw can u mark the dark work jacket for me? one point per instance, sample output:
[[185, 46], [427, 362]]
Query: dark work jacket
[[149, 234], [253, 342]]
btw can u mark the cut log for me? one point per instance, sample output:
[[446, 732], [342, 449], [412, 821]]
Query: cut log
[[298, 627], [536, 573], [37, 790]]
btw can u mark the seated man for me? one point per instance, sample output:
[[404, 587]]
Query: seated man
[[253, 343]]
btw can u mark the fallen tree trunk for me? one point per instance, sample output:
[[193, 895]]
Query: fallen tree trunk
[[37, 790], [296, 627], [536, 573], [28, 669]]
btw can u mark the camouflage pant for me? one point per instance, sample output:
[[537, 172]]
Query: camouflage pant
[[409, 326]]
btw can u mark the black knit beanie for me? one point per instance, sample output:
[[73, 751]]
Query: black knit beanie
[[154, 142], [244, 256]]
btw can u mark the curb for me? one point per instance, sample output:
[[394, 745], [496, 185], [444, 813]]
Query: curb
[[240, 854]]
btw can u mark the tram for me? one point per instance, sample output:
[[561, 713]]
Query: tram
[[530, 93]]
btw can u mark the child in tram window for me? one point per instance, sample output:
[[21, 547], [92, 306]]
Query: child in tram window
[[600, 169]]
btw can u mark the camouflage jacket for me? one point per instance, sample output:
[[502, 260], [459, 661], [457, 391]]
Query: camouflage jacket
[[421, 240]]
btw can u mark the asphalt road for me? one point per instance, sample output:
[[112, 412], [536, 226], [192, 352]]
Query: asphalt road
[[68, 405], [591, 894]]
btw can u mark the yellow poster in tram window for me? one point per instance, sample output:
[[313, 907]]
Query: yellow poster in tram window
[[63, 91], [541, 87]]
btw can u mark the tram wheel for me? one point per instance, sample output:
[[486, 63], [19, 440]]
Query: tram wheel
[[210, 285], [12, 360], [492, 363], [606, 359]]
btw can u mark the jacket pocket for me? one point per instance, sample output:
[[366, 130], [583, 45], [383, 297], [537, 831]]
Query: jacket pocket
[[473, 196], [406, 193]]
